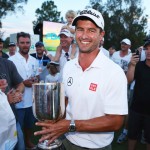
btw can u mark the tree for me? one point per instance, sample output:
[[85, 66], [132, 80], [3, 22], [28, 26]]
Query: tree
[[9, 6], [123, 19], [48, 12]]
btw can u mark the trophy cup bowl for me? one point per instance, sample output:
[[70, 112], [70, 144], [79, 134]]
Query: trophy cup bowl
[[48, 104]]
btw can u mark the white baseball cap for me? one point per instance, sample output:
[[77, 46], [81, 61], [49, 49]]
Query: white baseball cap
[[66, 32], [127, 41], [92, 14]]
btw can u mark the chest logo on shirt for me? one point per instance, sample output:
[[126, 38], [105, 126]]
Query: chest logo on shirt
[[93, 87], [69, 81]]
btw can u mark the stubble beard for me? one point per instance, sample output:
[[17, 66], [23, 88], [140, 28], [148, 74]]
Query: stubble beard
[[24, 52]]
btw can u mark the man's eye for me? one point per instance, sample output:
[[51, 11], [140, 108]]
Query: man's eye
[[92, 30], [79, 29]]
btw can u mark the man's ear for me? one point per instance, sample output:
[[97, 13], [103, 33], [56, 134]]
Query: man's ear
[[102, 34]]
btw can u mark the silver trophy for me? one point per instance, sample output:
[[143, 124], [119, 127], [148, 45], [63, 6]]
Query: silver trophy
[[48, 104]]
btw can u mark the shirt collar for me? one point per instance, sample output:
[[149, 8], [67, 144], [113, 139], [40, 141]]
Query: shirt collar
[[97, 63], [19, 56]]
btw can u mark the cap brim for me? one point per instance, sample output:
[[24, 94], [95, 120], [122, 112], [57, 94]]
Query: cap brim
[[39, 45], [64, 34], [54, 63], [80, 17], [12, 45]]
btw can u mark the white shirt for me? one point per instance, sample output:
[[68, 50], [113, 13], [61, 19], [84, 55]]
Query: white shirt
[[143, 56], [63, 59], [122, 61], [8, 136], [106, 52], [94, 93], [26, 69], [53, 78]]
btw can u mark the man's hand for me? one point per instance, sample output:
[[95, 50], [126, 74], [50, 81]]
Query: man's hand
[[28, 82], [51, 131], [3, 84], [14, 96], [134, 59]]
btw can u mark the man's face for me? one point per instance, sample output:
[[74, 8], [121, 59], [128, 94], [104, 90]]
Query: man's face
[[111, 51], [124, 46], [24, 44], [12, 49], [147, 52], [65, 41], [88, 36], [40, 49], [1, 46]]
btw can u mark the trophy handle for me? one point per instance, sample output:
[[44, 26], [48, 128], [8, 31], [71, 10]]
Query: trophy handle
[[55, 87]]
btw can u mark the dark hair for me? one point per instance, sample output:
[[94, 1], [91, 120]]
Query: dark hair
[[147, 42], [22, 34], [113, 47]]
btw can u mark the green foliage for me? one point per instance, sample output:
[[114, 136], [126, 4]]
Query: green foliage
[[123, 19], [9, 6], [48, 12]]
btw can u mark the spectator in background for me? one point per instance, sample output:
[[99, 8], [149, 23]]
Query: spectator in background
[[42, 58], [14, 90], [41, 55], [111, 50], [25, 65], [54, 75], [64, 50], [139, 116], [11, 49], [122, 58], [2, 54], [70, 15]]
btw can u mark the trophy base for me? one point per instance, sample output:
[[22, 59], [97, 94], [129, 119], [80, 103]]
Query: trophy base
[[43, 145]]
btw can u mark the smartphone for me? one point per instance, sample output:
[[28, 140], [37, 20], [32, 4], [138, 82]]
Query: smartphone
[[137, 52]]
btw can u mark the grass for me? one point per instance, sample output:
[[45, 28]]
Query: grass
[[115, 145], [124, 146]]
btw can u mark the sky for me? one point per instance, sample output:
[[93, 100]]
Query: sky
[[18, 22]]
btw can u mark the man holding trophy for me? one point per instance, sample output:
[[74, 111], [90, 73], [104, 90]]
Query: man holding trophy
[[95, 104]]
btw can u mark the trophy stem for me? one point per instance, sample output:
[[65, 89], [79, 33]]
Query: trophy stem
[[43, 145]]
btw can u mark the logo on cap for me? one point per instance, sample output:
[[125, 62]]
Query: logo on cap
[[89, 12]]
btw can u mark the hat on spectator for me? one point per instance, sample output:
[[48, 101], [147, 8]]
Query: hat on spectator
[[39, 44], [54, 63], [92, 14], [147, 42], [66, 32], [1, 40], [11, 44], [127, 41]]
